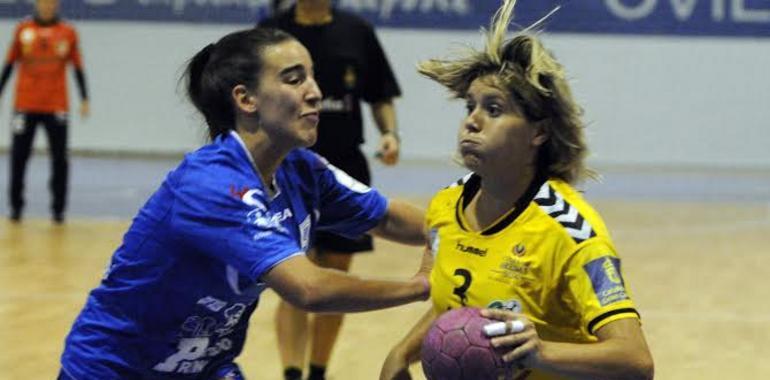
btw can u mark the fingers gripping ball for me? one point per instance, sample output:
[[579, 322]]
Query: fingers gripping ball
[[456, 348]]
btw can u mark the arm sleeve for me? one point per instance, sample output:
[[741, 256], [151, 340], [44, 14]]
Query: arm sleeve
[[348, 207], [7, 70], [380, 82], [77, 63], [74, 56], [209, 218], [14, 52], [595, 286], [80, 78]]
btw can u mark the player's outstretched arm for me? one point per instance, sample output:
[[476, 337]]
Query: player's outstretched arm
[[406, 352], [402, 223], [620, 353], [312, 288]]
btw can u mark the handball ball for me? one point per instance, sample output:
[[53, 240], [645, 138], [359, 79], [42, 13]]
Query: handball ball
[[456, 348]]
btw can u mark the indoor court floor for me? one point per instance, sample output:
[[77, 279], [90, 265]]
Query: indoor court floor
[[695, 246]]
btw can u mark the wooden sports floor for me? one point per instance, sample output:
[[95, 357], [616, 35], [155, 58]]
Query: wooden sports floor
[[699, 272]]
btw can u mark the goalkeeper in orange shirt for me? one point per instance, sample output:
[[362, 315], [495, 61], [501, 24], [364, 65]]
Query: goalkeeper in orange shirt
[[42, 47]]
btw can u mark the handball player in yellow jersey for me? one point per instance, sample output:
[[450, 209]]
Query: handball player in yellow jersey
[[514, 237]]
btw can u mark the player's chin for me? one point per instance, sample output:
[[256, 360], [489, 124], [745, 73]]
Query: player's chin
[[471, 161], [309, 137]]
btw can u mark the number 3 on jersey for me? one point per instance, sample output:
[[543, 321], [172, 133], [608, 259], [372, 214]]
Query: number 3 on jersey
[[463, 288]]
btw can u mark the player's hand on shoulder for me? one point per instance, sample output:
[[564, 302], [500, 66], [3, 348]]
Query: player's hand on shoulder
[[520, 340], [396, 366]]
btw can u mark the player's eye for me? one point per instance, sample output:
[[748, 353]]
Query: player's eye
[[469, 106], [493, 109], [294, 79]]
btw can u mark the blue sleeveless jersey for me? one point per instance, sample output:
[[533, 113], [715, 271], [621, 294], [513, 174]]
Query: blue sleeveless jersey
[[177, 296]]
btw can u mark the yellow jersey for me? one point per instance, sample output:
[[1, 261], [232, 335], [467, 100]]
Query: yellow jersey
[[550, 258]]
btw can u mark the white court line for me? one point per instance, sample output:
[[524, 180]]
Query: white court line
[[705, 316], [693, 228], [766, 213], [647, 314]]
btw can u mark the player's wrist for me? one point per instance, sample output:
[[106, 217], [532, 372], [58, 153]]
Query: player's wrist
[[397, 354], [422, 285], [392, 132]]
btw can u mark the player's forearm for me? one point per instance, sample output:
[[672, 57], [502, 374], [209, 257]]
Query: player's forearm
[[339, 292], [612, 359], [384, 114], [312, 288], [403, 223]]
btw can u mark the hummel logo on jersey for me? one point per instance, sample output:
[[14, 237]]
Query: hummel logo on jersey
[[471, 249], [554, 205]]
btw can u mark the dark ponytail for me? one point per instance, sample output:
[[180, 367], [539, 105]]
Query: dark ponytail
[[213, 72]]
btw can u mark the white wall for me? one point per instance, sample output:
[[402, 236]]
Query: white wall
[[648, 100]]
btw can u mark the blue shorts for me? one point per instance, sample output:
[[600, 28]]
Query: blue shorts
[[229, 371]]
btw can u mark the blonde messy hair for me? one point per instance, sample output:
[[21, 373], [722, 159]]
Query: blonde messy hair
[[537, 84]]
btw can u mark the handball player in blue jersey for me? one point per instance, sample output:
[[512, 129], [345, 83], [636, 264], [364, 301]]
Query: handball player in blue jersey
[[234, 218]]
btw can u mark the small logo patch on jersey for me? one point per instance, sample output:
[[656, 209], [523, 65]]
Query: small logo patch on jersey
[[238, 193], [304, 233], [350, 77], [62, 48], [434, 241], [27, 35], [212, 303], [519, 250], [510, 305], [604, 273], [513, 268]]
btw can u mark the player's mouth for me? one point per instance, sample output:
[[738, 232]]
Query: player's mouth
[[312, 116], [468, 143]]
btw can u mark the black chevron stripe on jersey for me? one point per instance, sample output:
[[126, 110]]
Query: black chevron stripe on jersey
[[578, 224], [546, 199], [553, 204], [565, 210]]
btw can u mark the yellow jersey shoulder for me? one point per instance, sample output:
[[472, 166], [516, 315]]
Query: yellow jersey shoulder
[[556, 206], [564, 206], [442, 207]]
